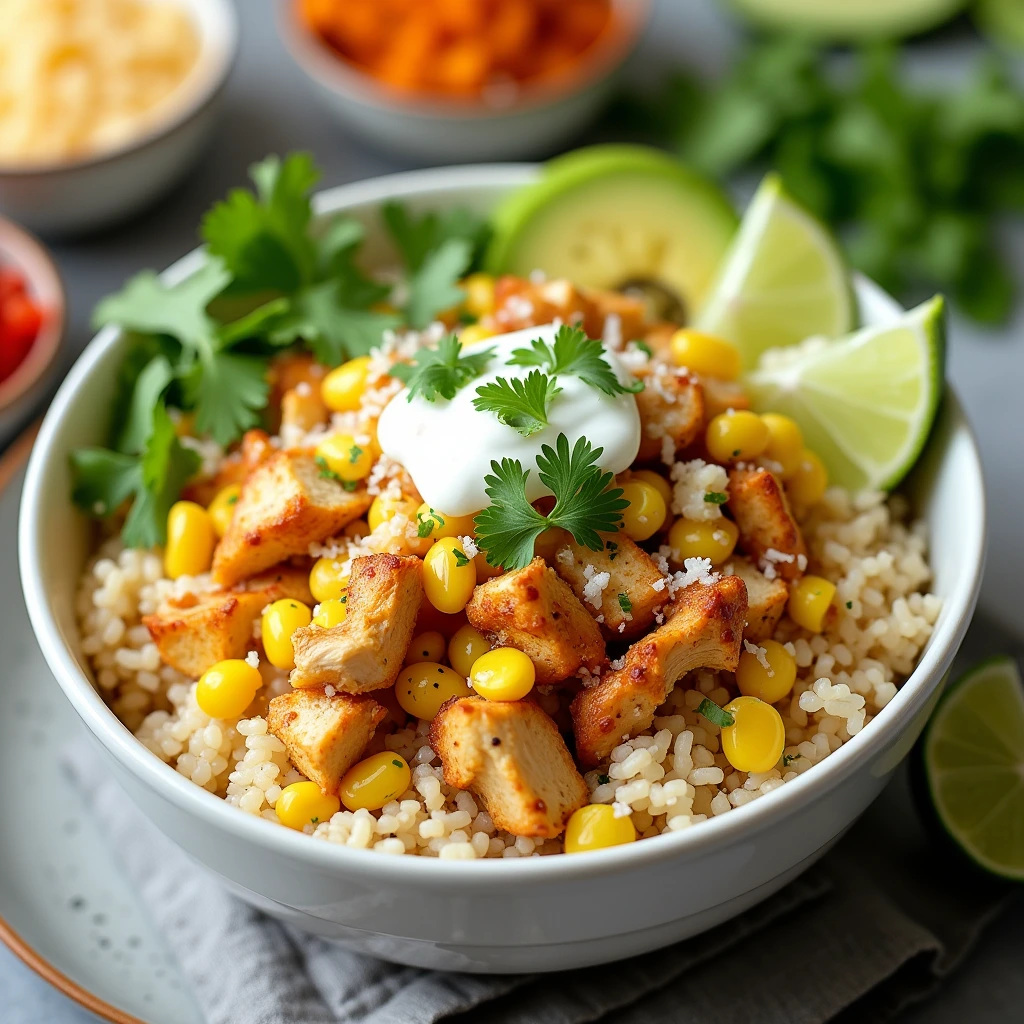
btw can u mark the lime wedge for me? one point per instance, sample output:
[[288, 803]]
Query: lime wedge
[[974, 764], [851, 19], [866, 402], [783, 279]]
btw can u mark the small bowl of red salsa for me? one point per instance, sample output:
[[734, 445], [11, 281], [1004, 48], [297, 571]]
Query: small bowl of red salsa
[[32, 307]]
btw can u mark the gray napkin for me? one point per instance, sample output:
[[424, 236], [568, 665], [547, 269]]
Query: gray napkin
[[873, 927]]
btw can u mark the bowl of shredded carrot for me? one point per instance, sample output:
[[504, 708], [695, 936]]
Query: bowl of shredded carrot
[[463, 80]]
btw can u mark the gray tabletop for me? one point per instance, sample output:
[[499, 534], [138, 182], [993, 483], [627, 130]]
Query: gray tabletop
[[269, 109]]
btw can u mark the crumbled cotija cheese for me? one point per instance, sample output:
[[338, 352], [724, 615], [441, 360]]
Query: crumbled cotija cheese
[[761, 653], [693, 481], [593, 589]]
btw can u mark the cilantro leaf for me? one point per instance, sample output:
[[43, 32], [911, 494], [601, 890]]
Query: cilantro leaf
[[229, 392], [520, 404], [103, 480], [441, 371], [461, 558], [573, 353], [716, 497], [263, 237], [432, 287], [585, 504], [714, 714], [625, 603], [416, 238], [425, 524], [149, 386]]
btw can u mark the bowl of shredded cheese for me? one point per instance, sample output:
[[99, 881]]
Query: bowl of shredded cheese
[[104, 103]]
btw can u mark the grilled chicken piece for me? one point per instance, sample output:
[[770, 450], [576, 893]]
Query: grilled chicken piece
[[286, 504], [512, 756], [768, 531], [366, 651], [631, 573], [324, 736], [670, 406], [534, 610], [196, 631], [704, 631], [766, 599]]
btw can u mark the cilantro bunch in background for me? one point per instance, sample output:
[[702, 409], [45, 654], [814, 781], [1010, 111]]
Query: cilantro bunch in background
[[273, 278], [912, 179]]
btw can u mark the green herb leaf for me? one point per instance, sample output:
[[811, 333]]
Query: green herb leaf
[[573, 353], [507, 528], [714, 714], [326, 473], [716, 498], [603, 780], [149, 386], [229, 392], [417, 238], [441, 371], [520, 404], [625, 604], [425, 524], [432, 287], [460, 557]]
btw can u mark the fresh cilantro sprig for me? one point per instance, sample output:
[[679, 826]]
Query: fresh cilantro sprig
[[586, 503], [573, 353], [441, 371], [519, 403]]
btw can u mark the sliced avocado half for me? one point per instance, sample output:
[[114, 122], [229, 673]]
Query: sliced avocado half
[[617, 217]]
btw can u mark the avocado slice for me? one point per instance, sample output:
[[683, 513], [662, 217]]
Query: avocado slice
[[617, 217], [850, 19]]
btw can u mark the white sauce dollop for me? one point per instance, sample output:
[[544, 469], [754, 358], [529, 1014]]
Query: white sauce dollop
[[447, 446]]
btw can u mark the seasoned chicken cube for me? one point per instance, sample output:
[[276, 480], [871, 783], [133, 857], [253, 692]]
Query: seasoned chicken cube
[[303, 409], [766, 599], [534, 610], [366, 651], [704, 631], [628, 599], [670, 406], [721, 396], [324, 736], [768, 532], [512, 756], [195, 631], [286, 504]]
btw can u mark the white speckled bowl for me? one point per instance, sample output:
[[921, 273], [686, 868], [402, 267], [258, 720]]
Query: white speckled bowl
[[70, 197], [523, 915]]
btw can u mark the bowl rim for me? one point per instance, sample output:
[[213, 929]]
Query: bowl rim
[[333, 72], [216, 24], [477, 875], [31, 258]]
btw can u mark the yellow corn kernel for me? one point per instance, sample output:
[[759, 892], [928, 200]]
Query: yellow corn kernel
[[479, 289], [375, 781], [385, 508], [705, 354], [595, 827], [736, 436], [466, 645], [226, 689], [768, 684], [646, 512], [302, 804], [328, 579], [549, 542], [503, 674], [449, 576], [484, 570], [279, 621], [785, 442], [706, 538], [809, 602], [434, 525], [191, 538], [341, 456], [356, 530], [331, 612], [806, 485], [429, 646], [222, 508], [657, 481], [754, 742], [342, 389], [422, 688], [473, 334]]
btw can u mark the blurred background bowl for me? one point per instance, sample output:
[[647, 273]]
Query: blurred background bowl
[[21, 391], [85, 194], [540, 116]]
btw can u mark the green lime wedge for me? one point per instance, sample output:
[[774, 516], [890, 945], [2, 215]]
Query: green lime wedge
[[974, 764], [866, 402], [1001, 20], [850, 19], [783, 279]]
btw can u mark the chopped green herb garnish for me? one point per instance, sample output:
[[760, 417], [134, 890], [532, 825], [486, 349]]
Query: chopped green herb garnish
[[788, 759], [714, 714], [232, 499], [326, 473], [398, 764], [716, 498], [350, 485], [573, 353], [441, 371], [461, 558], [849, 604], [425, 523], [603, 780], [518, 403], [586, 503], [613, 550], [625, 604], [343, 599], [353, 454]]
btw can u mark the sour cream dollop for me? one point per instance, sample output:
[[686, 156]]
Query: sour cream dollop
[[447, 446]]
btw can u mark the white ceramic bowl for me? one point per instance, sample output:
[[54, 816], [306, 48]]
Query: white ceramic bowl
[[538, 914], [441, 130], [76, 196]]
